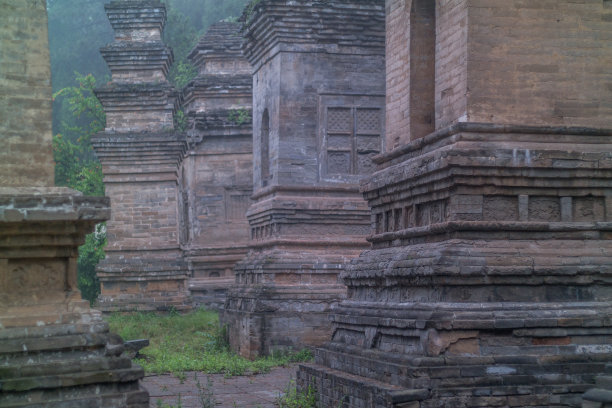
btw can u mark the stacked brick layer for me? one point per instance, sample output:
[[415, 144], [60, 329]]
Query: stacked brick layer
[[222, 42], [312, 23], [301, 240], [601, 395]]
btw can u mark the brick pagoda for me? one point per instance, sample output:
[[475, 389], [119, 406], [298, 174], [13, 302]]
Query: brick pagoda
[[141, 155], [489, 277], [218, 167], [318, 115]]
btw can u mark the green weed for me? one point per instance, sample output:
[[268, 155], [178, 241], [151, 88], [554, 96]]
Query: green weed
[[239, 116], [297, 399], [161, 404], [205, 394]]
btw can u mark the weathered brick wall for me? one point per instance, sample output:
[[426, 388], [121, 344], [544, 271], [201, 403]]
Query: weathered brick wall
[[532, 63], [398, 73], [540, 62], [147, 218], [294, 148], [451, 73], [26, 158], [152, 121], [410, 60], [221, 184], [266, 86]]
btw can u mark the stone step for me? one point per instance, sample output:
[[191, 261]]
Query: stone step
[[604, 381], [129, 399], [107, 305], [451, 372], [338, 387], [54, 365], [342, 388], [71, 379], [597, 398]]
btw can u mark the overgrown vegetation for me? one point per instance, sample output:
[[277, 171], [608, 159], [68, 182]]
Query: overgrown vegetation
[[191, 342], [180, 121], [182, 73], [90, 253], [250, 9], [206, 395], [292, 398], [239, 116]]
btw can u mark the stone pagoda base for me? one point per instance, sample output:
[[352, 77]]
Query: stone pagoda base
[[144, 267], [211, 274], [489, 278], [286, 285], [282, 298], [54, 350], [147, 284]]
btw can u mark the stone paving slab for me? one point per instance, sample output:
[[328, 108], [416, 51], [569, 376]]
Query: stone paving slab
[[251, 391]]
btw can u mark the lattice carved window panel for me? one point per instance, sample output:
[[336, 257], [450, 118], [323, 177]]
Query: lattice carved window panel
[[236, 204], [352, 137]]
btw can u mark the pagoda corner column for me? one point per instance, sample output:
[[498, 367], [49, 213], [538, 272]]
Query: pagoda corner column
[[141, 158]]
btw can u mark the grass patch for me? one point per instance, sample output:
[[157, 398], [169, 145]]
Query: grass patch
[[191, 342]]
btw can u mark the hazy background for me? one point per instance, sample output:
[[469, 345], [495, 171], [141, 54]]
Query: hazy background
[[78, 28]]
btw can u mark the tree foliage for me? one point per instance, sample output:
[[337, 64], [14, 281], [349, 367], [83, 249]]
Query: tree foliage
[[75, 163], [90, 253], [77, 30], [77, 167]]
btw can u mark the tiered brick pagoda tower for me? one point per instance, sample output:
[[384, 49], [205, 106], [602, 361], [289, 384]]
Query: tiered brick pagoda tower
[[141, 156], [54, 350], [489, 279], [218, 168], [318, 115]]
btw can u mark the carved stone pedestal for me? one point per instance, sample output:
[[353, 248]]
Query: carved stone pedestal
[[54, 350]]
